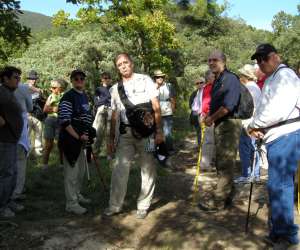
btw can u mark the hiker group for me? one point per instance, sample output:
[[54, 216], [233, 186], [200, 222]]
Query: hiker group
[[134, 117]]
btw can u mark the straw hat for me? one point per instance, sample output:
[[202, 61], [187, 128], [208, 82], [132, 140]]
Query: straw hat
[[248, 71], [158, 72]]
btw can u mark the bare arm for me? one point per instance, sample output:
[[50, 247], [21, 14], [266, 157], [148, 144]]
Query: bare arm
[[173, 103], [157, 117], [2, 122], [221, 112], [72, 132]]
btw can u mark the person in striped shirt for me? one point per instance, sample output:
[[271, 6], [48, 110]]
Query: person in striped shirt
[[76, 120]]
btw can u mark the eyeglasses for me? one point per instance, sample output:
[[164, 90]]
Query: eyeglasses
[[213, 59], [79, 79], [197, 83]]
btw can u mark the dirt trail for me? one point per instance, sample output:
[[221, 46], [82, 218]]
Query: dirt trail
[[173, 222]]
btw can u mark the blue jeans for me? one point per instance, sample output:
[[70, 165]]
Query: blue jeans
[[246, 149], [167, 129], [283, 156]]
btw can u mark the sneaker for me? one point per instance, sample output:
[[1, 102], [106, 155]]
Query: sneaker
[[7, 213], [141, 214], [110, 211], [15, 206], [242, 180], [285, 245], [83, 200], [76, 209]]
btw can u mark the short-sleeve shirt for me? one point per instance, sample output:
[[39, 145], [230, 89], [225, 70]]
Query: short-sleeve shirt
[[139, 89], [225, 93], [166, 92]]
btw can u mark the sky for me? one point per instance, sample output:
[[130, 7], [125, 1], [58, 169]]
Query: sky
[[258, 13]]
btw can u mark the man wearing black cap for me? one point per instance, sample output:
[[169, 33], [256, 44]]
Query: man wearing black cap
[[35, 125], [76, 120], [277, 121]]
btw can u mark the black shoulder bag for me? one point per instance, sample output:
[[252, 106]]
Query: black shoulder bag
[[140, 116]]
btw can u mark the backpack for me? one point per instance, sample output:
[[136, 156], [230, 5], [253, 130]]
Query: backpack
[[245, 107], [37, 109], [140, 116]]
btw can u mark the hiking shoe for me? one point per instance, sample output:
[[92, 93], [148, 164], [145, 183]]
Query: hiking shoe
[[76, 209], [285, 245], [110, 211], [207, 208], [7, 213], [15, 207], [141, 214], [242, 180], [83, 200]]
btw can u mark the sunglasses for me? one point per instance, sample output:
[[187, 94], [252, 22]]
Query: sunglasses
[[197, 83], [79, 79], [105, 78], [158, 77], [213, 60]]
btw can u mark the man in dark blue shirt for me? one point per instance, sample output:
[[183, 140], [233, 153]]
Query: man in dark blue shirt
[[225, 97], [102, 110]]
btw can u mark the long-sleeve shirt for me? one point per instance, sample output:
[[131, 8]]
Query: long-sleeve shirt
[[280, 101], [102, 97], [11, 112]]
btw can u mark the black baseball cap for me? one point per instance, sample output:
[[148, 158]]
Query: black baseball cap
[[32, 75], [77, 72], [263, 50]]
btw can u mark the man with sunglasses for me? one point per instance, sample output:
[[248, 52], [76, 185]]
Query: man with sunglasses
[[75, 118], [277, 121], [11, 125], [102, 108], [225, 97], [195, 106], [167, 101]]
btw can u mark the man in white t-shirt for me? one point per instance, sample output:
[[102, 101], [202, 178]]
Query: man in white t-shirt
[[139, 89], [167, 101], [276, 121]]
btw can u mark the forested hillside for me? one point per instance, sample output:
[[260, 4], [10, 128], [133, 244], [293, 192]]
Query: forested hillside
[[35, 21]]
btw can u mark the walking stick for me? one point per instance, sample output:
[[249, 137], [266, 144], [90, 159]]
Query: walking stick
[[196, 181], [257, 148], [99, 172]]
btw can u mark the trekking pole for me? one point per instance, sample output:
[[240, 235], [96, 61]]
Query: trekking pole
[[99, 172], [86, 166], [196, 181], [257, 148]]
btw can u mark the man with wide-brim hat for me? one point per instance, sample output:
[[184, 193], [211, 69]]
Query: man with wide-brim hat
[[167, 100], [34, 119], [247, 143]]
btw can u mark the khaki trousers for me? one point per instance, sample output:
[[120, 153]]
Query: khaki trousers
[[102, 126], [73, 178], [127, 148], [227, 136], [21, 171], [208, 148], [35, 127]]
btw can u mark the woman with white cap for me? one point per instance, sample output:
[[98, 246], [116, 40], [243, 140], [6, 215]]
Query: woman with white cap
[[247, 143], [51, 122]]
